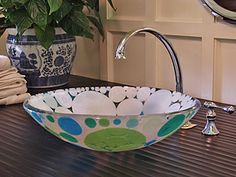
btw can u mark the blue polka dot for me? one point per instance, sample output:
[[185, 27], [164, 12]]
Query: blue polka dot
[[37, 117], [150, 143], [70, 126], [117, 121], [131, 123]]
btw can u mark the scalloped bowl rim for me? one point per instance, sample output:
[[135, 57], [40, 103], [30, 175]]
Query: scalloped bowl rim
[[196, 106]]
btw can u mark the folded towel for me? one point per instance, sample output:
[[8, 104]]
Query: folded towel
[[5, 63], [12, 84], [4, 93], [14, 99], [10, 71], [11, 79]]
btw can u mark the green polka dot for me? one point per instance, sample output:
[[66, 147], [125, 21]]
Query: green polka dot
[[104, 122], [171, 125], [50, 118], [68, 137], [90, 122], [115, 139], [132, 123]]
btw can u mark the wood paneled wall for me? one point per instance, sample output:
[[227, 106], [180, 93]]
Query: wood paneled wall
[[205, 47]]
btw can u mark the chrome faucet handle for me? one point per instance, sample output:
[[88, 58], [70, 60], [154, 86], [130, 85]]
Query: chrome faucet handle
[[212, 105], [210, 127]]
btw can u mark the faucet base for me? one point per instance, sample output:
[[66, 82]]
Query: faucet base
[[210, 128]]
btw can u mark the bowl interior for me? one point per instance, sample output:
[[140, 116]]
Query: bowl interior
[[112, 101]]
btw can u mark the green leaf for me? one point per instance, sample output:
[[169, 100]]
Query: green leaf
[[91, 3], [54, 5], [80, 19], [77, 24], [111, 4], [3, 22], [12, 3], [22, 20], [45, 37], [75, 30], [62, 11], [96, 21], [38, 12]]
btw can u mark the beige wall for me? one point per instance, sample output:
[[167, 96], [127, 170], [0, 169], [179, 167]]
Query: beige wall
[[87, 59], [205, 46]]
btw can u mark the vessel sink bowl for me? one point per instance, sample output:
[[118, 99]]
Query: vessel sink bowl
[[112, 119]]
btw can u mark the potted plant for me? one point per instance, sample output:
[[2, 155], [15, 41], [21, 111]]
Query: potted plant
[[41, 36]]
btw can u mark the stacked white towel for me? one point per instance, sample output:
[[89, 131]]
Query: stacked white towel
[[13, 88]]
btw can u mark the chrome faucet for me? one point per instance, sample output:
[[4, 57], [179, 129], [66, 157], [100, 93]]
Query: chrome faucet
[[120, 54]]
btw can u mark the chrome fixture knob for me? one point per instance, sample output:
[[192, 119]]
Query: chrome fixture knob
[[210, 127]]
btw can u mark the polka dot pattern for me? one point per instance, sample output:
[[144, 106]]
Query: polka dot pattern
[[93, 103], [143, 93], [37, 117], [172, 125], [68, 137], [132, 123], [72, 92], [103, 90], [116, 121], [115, 139], [87, 100], [63, 98], [131, 92], [62, 110], [50, 101], [50, 118], [104, 122], [150, 143], [90, 122], [130, 107], [117, 94], [112, 118], [69, 125]]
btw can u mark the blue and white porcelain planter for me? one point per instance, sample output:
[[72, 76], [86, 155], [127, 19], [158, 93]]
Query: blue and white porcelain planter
[[42, 67]]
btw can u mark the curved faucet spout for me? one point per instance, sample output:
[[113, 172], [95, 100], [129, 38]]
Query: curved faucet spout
[[120, 52]]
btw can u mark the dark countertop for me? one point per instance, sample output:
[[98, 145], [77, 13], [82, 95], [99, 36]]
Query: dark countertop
[[27, 150]]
